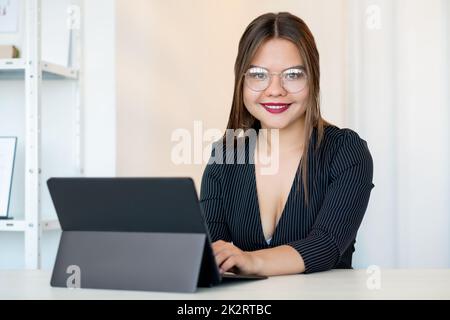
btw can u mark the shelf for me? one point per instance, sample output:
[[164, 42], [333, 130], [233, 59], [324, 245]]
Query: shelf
[[37, 76], [14, 68], [58, 70], [13, 225], [22, 225], [50, 225], [12, 64]]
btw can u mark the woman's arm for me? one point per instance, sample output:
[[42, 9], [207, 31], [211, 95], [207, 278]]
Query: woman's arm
[[261, 262], [211, 200], [268, 261], [343, 208]]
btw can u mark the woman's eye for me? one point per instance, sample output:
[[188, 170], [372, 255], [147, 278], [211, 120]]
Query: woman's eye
[[258, 75], [294, 75]]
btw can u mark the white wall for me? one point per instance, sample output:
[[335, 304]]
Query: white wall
[[100, 88]]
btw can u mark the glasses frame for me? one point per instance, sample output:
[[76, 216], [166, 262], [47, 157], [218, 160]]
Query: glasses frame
[[279, 74]]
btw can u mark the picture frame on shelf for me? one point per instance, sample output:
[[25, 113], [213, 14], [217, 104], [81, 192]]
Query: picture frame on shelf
[[9, 16], [8, 147]]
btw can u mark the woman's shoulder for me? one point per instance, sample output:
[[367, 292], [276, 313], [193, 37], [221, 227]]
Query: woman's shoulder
[[335, 134], [345, 144], [338, 137], [226, 153]]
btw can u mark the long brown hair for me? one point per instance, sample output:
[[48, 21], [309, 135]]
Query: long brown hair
[[287, 26]]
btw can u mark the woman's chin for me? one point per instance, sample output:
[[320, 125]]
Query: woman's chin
[[278, 121], [274, 123]]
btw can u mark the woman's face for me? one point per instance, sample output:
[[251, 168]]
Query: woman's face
[[275, 107]]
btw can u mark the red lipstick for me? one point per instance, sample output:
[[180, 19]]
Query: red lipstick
[[276, 107]]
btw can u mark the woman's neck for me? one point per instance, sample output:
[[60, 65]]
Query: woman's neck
[[290, 139]]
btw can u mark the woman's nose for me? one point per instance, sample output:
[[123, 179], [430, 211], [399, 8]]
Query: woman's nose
[[275, 87]]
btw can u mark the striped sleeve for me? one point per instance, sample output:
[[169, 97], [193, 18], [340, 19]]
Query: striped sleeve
[[212, 203], [343, 207]]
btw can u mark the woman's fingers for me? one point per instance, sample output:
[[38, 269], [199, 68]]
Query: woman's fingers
[[222, 256], [227, 255], [230, 264]]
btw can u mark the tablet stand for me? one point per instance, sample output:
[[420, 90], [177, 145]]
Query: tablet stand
[[129, 261]]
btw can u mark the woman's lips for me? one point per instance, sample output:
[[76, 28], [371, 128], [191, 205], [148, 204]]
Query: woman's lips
[[276, 107]]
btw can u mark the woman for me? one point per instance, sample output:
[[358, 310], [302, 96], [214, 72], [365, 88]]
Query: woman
[[305, 217]]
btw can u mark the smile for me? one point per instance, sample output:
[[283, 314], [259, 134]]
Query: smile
[[276, 107]]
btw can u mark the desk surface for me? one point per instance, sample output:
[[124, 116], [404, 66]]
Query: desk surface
[[334, 284]]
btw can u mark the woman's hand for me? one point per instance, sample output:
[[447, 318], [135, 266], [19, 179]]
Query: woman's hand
[[232, 259]]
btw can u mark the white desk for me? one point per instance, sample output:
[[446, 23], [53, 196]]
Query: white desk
[[335, 284]]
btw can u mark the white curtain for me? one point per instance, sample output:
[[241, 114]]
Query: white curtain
[[399, 101]]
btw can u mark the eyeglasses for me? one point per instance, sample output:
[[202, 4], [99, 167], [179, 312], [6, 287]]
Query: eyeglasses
[[293, 80]]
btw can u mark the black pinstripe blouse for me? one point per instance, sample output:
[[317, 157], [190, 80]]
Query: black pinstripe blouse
[[324, 232]]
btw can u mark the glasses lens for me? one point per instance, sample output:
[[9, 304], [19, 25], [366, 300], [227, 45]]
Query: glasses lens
[[257, 79], [294, 80]]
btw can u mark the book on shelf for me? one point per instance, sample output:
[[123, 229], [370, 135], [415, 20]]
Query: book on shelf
[[8, 52]]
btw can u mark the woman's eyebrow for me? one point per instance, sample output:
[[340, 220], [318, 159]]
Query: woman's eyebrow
[[300, 66], [255, 66]]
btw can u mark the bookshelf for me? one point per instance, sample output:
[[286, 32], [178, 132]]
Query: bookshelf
[[33, 71]]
